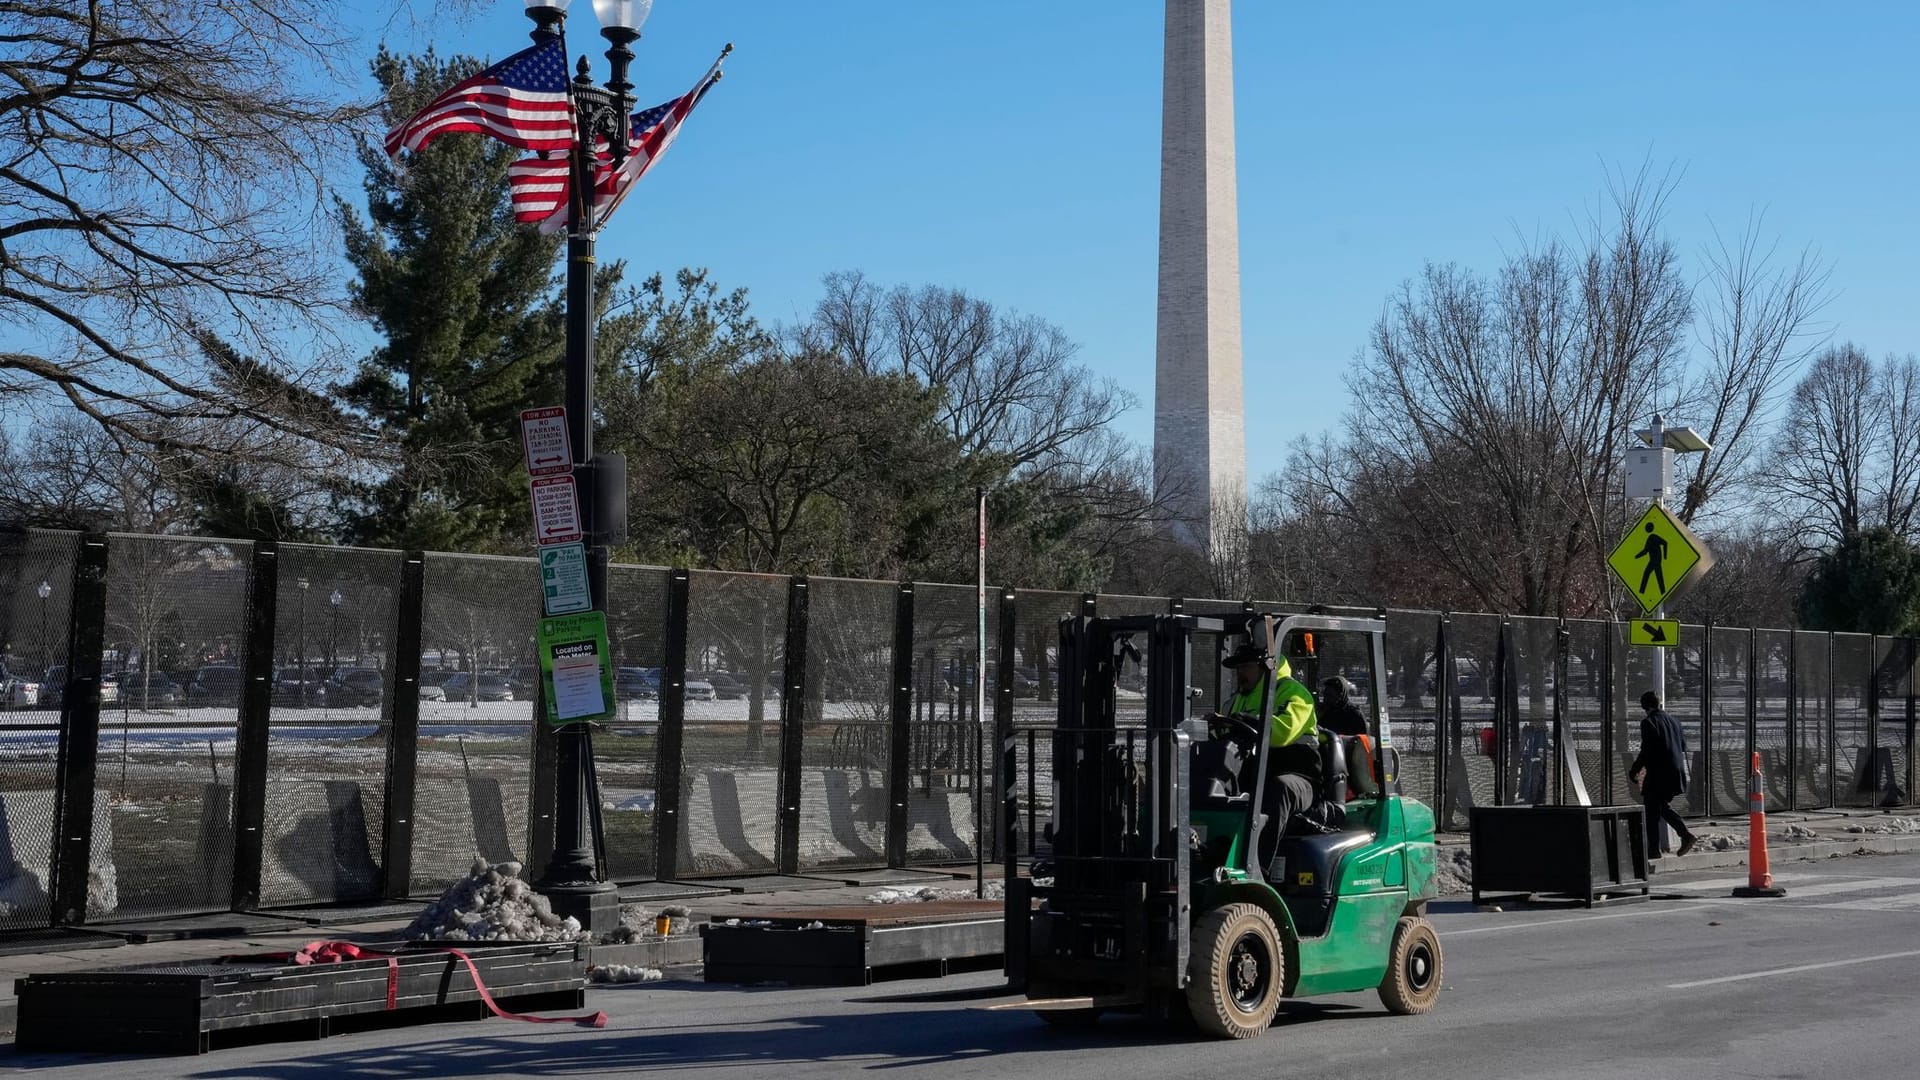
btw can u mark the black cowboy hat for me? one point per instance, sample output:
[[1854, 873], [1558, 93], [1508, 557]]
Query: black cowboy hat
[[1245, 653]]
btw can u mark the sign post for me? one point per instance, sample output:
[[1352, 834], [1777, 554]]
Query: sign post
[[1659, 555]]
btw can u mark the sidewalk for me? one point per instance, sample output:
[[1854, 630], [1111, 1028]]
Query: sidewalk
[[1807, 835]]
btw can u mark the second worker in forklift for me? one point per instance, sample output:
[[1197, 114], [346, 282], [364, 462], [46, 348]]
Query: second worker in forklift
[[1292, 753]]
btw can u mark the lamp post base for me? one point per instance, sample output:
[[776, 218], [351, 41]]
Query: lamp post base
[[595, 903]]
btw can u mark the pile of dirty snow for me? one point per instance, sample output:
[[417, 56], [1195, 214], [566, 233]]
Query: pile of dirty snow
[[922, 894], [1797, 831], [638, 923], [1453, 870], [1719, 841], [492, 904], [1887, 825], [624, 973]]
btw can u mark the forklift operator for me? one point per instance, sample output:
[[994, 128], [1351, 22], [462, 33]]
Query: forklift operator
[[1293, 739]]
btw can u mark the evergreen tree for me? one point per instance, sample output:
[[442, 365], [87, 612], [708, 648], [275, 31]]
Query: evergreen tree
[[1869, 583], [474, 327]]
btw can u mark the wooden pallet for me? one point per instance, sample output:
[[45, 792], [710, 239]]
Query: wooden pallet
[[188, 1008]]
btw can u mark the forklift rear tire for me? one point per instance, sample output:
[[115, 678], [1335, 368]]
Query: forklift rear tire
[[1236, 972], [1414, 968]]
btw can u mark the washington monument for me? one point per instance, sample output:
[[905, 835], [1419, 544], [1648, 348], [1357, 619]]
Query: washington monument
[[1199, 422]]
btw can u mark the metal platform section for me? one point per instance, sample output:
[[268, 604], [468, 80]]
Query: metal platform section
[[349, 914], [187, 1008], [189, 927], [844, 946], [652, 891], [759, 883]]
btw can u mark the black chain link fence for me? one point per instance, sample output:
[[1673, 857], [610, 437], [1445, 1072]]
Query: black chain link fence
[[879, 759]]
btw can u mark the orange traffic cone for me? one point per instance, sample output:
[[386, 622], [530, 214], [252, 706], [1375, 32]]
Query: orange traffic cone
[[1759, 877]]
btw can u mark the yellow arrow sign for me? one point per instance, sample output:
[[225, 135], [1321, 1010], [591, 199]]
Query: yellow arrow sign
[[1660, 633], [1657, 556]]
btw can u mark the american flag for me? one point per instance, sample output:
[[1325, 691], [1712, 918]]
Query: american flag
[[540, 186], [522, 101]]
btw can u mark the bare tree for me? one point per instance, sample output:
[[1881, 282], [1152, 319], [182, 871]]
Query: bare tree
[[1754, 330], [162, 168], [1008, 383], [1844, 457], [1490, 409]]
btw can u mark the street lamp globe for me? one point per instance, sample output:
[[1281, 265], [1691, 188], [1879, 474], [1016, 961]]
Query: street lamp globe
[[621, 14], [45, 590], [335, 598]]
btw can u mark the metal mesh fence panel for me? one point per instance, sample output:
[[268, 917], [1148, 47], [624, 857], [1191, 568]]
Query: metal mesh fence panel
[[1037, 616], [1813, 777], [471, 788], [1894, 662], [1585, 695], [1529, 731], [1214, 682], [1772, 734], [943, 742], [36, 592], [1730, 760], [331, 718], [1852, 690], [176, 607], [1686, 676], [1412, 699], [849, 710], [1631, 676], [1474, 682], [626, 751], [730, 765]]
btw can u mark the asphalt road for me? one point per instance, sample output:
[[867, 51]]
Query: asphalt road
[[1819, 984]]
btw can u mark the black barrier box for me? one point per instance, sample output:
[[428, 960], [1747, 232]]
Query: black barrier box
[[844, 946], [1578, 852], [183, 1008]]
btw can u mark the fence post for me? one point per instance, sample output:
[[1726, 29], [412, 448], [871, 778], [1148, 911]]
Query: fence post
[[1563, 753], [1607, 706], [74, 772], [256, 713], [1706, 721], [1503, 718], [900, 720], [1912, 659], [403, 746], [793, 718], [1089, 604], [1833, 728], [1443, 734], [1009, 810], [1793, 719], [670, 739]]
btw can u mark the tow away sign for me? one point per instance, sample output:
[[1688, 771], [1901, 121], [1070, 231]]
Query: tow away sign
[[543, 432], [556, 511]]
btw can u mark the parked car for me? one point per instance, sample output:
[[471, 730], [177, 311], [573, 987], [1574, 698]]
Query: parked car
[[110, 688], [53, 687], [215, 684], [17, 692], [466, 686], [431, 691], [700, 690], [138, 690], [636, 684], [726, 685], [356, 686], [288, 692]]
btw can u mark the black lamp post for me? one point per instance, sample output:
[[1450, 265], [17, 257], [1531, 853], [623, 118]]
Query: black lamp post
[[602, 114]]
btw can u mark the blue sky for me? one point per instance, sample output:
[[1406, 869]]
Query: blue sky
[[1011, 149]]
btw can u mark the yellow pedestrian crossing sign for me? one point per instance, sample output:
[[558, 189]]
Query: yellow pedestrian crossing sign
[[1657, 557]]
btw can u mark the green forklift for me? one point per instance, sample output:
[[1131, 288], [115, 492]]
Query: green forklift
[[1166, 890]]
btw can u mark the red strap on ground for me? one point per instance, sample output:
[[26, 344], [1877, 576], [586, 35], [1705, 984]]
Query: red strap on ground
[[335, 952]]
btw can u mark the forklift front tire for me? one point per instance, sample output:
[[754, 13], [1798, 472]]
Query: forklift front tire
[[1414, 969], [1236, 972]]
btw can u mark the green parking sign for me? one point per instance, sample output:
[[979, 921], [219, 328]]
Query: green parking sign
[[576, 666]]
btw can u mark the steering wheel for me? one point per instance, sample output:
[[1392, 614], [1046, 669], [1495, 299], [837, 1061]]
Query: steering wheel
[[1242, 720]]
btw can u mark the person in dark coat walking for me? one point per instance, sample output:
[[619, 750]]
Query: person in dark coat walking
[[1663, 761]]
